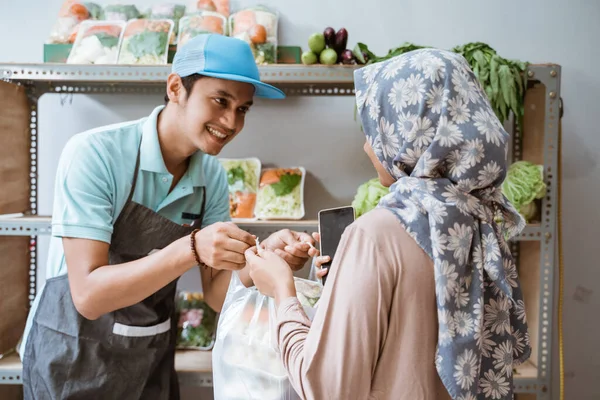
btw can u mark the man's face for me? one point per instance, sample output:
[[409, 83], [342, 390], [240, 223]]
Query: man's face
[[214, 112]]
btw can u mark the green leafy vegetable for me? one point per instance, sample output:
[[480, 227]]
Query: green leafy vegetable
[[503, 80], [368, 195], [236, 174], [523, 184], [286, 184], [107, 40], [148, 43]]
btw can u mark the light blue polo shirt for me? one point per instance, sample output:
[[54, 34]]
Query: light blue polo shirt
[[94, 178]]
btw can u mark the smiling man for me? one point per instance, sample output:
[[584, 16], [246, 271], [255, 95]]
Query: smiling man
[[136, 205]]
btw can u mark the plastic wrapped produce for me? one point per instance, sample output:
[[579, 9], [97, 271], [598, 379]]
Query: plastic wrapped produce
[[170, 11], [97, 43], [258, 27], [71, 14], [281, 194], [145, 42], [246, 364], [121, 12], [220, 6], [242, 177], [197, 322], [205, 22]]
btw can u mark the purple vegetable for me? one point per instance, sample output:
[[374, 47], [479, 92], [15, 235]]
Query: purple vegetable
[[329, 34], [347, 57], [341, 39]]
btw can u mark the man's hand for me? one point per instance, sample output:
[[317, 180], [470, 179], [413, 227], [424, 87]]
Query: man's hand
[[292, 246], [222, 246]]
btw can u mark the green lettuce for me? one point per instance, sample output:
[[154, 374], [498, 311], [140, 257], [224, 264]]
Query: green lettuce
[[523, 184], [368, 196]]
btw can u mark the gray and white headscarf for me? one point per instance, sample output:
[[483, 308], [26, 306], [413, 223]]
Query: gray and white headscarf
[[431, 125]]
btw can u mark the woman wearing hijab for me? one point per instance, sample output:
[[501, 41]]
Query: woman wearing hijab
[[423, 300]]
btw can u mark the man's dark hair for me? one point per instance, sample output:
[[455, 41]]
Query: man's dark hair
[[188, 84]]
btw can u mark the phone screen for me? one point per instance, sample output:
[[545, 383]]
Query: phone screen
[[332, 224]]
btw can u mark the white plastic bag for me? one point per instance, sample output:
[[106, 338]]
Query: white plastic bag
[[246, 363]]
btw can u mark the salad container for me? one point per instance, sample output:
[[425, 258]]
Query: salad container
[[243, 176], [258, 27], [281, 194], [121, 12], [206, 22], [97, 43], [197, 322], [220, 6], [170, 11], [146, 42], [70, 15]]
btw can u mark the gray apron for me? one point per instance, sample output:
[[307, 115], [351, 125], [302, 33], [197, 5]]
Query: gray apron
[[125, 354]]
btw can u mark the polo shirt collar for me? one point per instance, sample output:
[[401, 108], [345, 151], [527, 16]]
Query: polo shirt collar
[[151, 156]]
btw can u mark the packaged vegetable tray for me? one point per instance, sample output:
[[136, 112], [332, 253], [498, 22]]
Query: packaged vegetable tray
[[197, 322], [97, 43], [170, 11], [205, 22], [70, 15], [258, 27], [219, 6], [121, 12], [246, 363], [281, 194], [146, 42], [242, 177]]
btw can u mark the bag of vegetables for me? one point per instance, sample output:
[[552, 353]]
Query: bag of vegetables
[[206, 22], [146, 42], [97, 43], [246, 364], [258, 27]]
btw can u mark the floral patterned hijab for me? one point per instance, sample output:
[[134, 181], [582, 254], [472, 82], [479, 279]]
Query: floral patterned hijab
[[429, 122]]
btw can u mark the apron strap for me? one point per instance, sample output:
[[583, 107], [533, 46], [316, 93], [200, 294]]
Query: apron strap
[[197, 223], [135, 174]]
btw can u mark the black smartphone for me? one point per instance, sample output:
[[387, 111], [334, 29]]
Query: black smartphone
[[332, 223]]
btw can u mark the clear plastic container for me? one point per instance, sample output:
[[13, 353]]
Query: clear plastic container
[[205, 22], [70, 15], [258, 27], [219, 6], [281, 194], [121, 12], [243, 175], [145, 42], [97, 43], [170, 11], [197, 322]]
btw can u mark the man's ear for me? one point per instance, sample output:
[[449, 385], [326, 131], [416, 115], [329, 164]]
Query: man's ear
[[175, 90]]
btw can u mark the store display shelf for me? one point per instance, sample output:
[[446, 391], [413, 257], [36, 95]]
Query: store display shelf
[[17, 225], [194, 368], [291, 73], [32, 225]]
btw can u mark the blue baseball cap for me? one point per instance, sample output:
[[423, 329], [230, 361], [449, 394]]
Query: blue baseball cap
[[222, 57]]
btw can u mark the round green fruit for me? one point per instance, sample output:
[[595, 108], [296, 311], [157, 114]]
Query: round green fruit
[[309, 58], [328, 57], [316, 43]]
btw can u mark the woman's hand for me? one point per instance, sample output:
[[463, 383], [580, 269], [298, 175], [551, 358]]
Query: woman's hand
[[271, 274], [294, 247], [320, 260]]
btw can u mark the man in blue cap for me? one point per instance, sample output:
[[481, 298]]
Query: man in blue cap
[[137, 204]]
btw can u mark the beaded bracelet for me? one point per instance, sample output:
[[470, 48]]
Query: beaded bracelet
[[193, 246]]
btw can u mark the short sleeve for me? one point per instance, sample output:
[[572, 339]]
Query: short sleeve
[[84, 192], [217, 193]]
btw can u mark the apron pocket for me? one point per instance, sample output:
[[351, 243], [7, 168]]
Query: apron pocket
[[141, 331]]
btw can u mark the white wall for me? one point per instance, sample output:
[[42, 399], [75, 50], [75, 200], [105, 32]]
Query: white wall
[[306, 130]]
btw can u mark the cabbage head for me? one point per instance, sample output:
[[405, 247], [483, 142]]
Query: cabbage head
[[368, 196], [523, 184]]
